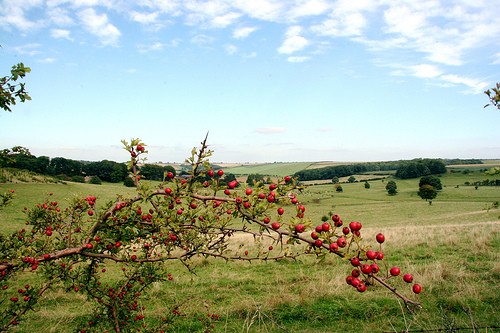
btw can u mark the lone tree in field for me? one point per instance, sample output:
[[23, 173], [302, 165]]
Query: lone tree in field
[[427, 192], [391, 187]]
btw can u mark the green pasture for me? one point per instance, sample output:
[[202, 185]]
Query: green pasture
[[451, 246], [269, 169]]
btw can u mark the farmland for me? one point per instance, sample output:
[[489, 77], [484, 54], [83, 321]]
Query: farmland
[[452, 246]]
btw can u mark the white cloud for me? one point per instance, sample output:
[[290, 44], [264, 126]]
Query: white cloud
[[298, 59], [28, 49], [243, 32], [293, 41], [308, 8], [61, 33], [267, 10], [202, 39], [12, 13], [476, 86], [99, 26], [231, 49], [151, 48], [47, 60], [270, 130], [144, 18], [426, 71], [59, 16]]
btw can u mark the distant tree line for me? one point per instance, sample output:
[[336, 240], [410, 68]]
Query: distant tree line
[[109, 171], [404, 169]]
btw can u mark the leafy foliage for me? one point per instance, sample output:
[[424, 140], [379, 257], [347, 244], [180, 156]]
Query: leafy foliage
[[494, 96], [11, 90]]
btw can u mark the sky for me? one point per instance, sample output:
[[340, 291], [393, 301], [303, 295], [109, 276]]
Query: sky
[[268, 80]]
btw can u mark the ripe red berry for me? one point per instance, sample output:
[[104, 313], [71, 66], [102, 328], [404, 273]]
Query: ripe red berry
[[211, 173], [355, 282], [370, 254], [341, 242], [220, 172], [266, 220], [366, 269], [361, 287], [395, 271], [417, 289], [248, 191], [275, 225], [334, 247], [325, 227], [300, 228], [88, 245], [318, 243], [380, 238], [355, 226], [355, 262], [335, 218], [287, 179], [281, 211], [408, 278]]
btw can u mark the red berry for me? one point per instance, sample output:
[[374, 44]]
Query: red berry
[[88, 245], [275, 225], [417, 289], [380, 238], [355, 282], [281, 211], [325, 227], [248, 191], [220, 172], [287, 179], [341, 242], [395, 271], [334, 247], [300, 228], [266, 220], [355, 226], [318, 243], [408, 278], [361, 287], [370, 254], [366, 269], [355, 262], [211, 173]]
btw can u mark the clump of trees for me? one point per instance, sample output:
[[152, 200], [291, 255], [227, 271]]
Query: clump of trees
[[420, 167]]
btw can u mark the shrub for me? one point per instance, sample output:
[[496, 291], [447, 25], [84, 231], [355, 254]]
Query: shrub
[[95, 180]]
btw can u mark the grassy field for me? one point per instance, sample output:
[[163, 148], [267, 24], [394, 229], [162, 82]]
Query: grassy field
[[451, 246]]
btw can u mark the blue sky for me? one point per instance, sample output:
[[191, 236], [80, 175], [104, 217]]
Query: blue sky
[[270, 80]]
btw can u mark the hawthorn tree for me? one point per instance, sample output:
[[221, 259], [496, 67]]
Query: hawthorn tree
[[72, 248]]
